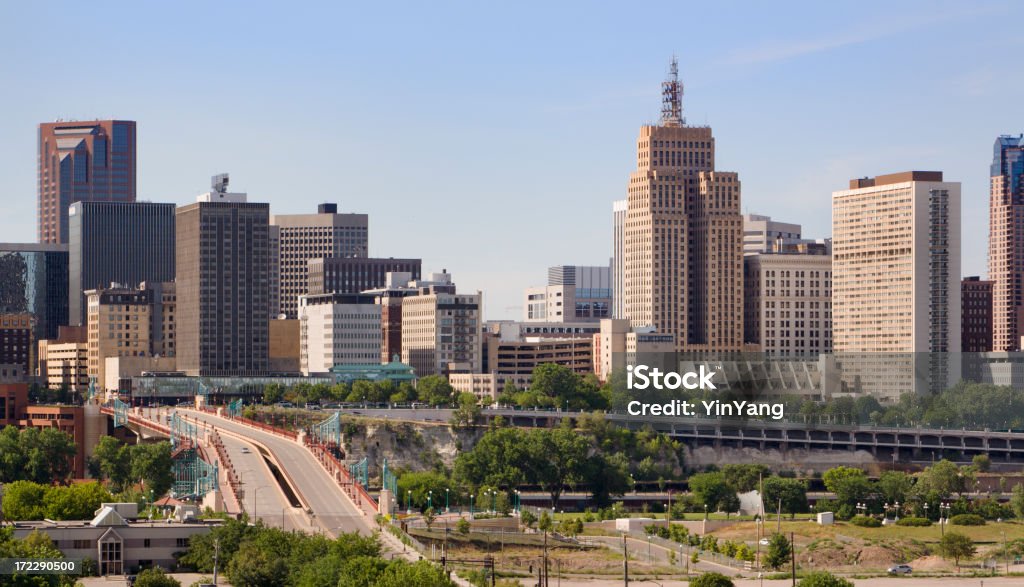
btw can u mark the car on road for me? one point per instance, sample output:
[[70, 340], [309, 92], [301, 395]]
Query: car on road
[[900, 570], [764, 542], [245, 450]]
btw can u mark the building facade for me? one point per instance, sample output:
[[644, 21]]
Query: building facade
[[119, 324], [113, 242], [17, 341], [619, 208], [222, 286], [303, 237], [82, 162], [64, 365], [1006, 242], [976, 315], [788, 302], [34, 280], [761, 233], [684, 235], [896, 278], [440, 327], [566, 303], [339, 329], [515, 360], [356, 274]]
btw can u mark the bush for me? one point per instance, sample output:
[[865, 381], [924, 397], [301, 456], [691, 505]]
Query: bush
[[155, 577], [823, 579], [967, 520], [911, 521], [712, 580], [865, 522]]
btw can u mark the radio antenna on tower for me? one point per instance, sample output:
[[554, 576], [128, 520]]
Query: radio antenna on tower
[[672, 97]]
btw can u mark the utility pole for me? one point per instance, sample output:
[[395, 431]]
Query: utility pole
[[778, 529], [216, 554], [625, 561]]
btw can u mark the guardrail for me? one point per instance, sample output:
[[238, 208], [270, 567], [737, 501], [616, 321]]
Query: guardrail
[[342, 477]]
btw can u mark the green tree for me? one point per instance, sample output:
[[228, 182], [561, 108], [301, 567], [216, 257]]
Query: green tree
[[823, 579], [779, 551], [435, 390], [528, 518], [558, 458], [273, 393], [253, 566], [467, 413], [943, 479], [895, 486], [155, 577], [850, 485], [499, 459], [545, 524], [462, 526], [74, 502], [24, 500], [745, 477], [152, 465], [1017, 500], [711, 489], [428, 517], [111, 460], [956, 546], [33, 454], [420, 573], [712, 580], [420, 485], [982, 463], [558, 383], [791, 492]]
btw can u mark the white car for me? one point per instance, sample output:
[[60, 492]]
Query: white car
[[900, 570], [764, 542]]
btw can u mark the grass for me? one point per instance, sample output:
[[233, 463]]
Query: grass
[[991, 533]]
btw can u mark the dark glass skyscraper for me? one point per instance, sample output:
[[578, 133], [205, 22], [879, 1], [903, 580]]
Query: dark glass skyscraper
[[82, 162], [110, 242], [34, 279]]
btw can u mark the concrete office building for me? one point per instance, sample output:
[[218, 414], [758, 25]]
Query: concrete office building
[[976, 315], [338, 329], [440, 327], [274, 244], [896, 276], [1005, 248], [566, 303], [389, 297], [64, 365], [483, 385], [761, 233], [356, 274], [684, 235], [113, 242], [285, 354], [34, 280], [619, 208], [304, 237], [788, 301], [618, 345], [119, 324], [222, 284], [515, 360], [17, 341], [82, 162]]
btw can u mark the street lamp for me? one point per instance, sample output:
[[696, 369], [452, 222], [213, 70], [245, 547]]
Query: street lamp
[[926, 509], [650, 558], [862, 508], [446, 508], [705, 511], [943, 507], [254, 492], [408, 502], [471, 517], [430, 499]]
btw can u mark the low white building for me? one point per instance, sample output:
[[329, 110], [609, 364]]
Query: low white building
[[338, 329]]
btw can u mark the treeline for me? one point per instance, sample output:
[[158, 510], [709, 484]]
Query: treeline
[[432, 389], [123, 466], [595, 456], [25, 500], [33, 454], [257, 556]]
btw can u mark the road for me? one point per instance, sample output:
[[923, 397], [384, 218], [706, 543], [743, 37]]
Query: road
[[260, 494], [332, 510]]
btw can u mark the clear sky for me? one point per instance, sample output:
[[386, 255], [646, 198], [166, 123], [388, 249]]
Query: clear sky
[[490, 139]]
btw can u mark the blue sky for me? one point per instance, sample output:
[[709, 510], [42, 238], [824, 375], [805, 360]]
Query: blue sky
[[490, 139]]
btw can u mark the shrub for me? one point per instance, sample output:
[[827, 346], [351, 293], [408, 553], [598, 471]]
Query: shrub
[[912, 521], [967, 520], [712, 580], [865, 521], [823, 579]]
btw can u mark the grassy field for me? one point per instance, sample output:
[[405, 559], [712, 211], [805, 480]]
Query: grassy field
[[991, 533]]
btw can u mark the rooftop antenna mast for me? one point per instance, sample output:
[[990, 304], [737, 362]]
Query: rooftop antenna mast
[[672, 97]]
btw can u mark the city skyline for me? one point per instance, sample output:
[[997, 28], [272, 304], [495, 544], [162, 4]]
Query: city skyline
[[565, 110]]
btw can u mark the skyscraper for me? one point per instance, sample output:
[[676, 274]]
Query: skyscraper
[[82, 161], [303, 237], [619, 208], [117, 242], [1006, 242], [684, 234], [223, 291], [34, 280]]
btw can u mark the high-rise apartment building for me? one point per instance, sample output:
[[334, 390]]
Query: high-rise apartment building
[[976, 315], [684, 235], [222, 285], [788, 301], [356, 274], [115, 242], [1006, 242], [119, 324], [761, 233], [441, 327], [896, 276], [303, 237], [338, 329], [274, 244], [619, 208], [81, 162], [34, 280], [17, 345]]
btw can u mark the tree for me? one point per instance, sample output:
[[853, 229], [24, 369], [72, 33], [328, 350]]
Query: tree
[[23, 500], [528, 518], [849, 484], [558, 458], [429, 517], [943, 479], [155, 577], [273, 393], [253, 566], [75, 502], [712, 490], [895, 486], [545, 524], [956, 546], [779, 551], [462, 526], [982, 463], [712, 580], [792, 492], [152, 465], [558, 383], [1017, 500], [467, 413], [435, 390], [499, 459], [744, 478], [420, 485], [42, 456], [823, 579], [111, 460]]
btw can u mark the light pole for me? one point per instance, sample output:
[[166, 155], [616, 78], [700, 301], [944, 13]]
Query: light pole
[[471, 517], [446, 508], [494, 502], [705, 512], [861, 508], [430, 499], [926, 509], [650, 558], [943, 507], [254, 492], [408, 502]]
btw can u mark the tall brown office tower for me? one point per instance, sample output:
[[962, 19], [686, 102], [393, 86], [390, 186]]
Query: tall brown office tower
[[684, 234], [82, 161], [1006, 242], [223, 286]]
